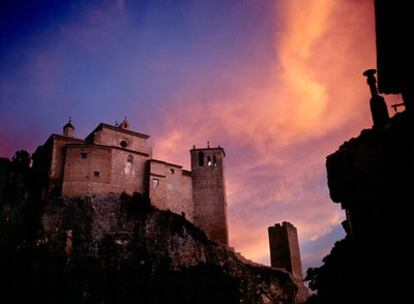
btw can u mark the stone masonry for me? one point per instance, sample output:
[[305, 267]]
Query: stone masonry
[[115, 159], [284, 248]]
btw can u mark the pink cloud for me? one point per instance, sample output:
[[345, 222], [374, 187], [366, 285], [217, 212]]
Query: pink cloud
[[277, 122], [278, 125]]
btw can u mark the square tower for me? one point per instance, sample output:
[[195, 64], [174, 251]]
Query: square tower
[[209, 193], [284, 248]]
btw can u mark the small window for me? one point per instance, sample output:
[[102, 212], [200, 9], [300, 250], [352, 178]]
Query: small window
[[84, 155], [155, 182], [172, 171], [201, 159], [96, 173], [209, 161], [123, 144], [214, 161], [129, 166]]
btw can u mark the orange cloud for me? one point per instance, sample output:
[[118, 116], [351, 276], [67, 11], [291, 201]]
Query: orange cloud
[[279, 124]]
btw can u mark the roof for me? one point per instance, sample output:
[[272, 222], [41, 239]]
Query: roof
[[166, 163], [129, 132], [68, 125], [63, 137]]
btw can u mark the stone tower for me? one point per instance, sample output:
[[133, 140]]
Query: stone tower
[[284, 248], [209, 193]]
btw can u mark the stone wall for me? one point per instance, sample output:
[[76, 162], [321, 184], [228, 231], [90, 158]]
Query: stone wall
[[209, 193], [92, 169], [87, 170], [170, 187], [48, 164], [58, 155], [128, 171]]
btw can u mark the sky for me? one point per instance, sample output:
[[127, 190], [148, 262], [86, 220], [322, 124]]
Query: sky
[[278, 84]]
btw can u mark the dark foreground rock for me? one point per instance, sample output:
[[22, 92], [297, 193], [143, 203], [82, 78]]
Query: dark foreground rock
[[121, 250], [371, 176]]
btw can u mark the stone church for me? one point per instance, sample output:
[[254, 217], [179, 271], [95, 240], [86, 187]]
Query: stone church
[[117, 159]]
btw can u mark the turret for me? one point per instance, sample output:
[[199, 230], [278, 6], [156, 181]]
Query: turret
[[69, 129], [209, 192]]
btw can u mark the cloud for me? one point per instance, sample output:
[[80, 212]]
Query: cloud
[[278, 125], [278, 95]]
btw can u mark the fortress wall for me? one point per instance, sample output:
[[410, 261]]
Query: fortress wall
[[87, 175], [170, 187], [58, 155], [128, 172]]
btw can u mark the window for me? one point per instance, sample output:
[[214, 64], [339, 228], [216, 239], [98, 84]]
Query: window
[[129, 165], [155, 182], [96, 173], [214, 161], [172, 171], [209, 161], [84, 155], [201, 159], [123, 144]]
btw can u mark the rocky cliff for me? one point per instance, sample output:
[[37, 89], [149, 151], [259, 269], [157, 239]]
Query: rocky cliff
[[371, 176], [113, 249]]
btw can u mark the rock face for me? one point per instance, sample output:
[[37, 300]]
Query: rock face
[[115, 249], [372, 177]]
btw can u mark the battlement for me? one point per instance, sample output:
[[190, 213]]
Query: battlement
[[284, 225]]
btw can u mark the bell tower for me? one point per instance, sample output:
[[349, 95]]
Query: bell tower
[[209, 192]]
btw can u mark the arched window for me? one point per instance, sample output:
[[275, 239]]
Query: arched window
[[214, 161], [129, 165], [201, 159], [209, 161]]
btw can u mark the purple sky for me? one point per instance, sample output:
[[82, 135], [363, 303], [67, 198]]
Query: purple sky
[[277, 83]]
